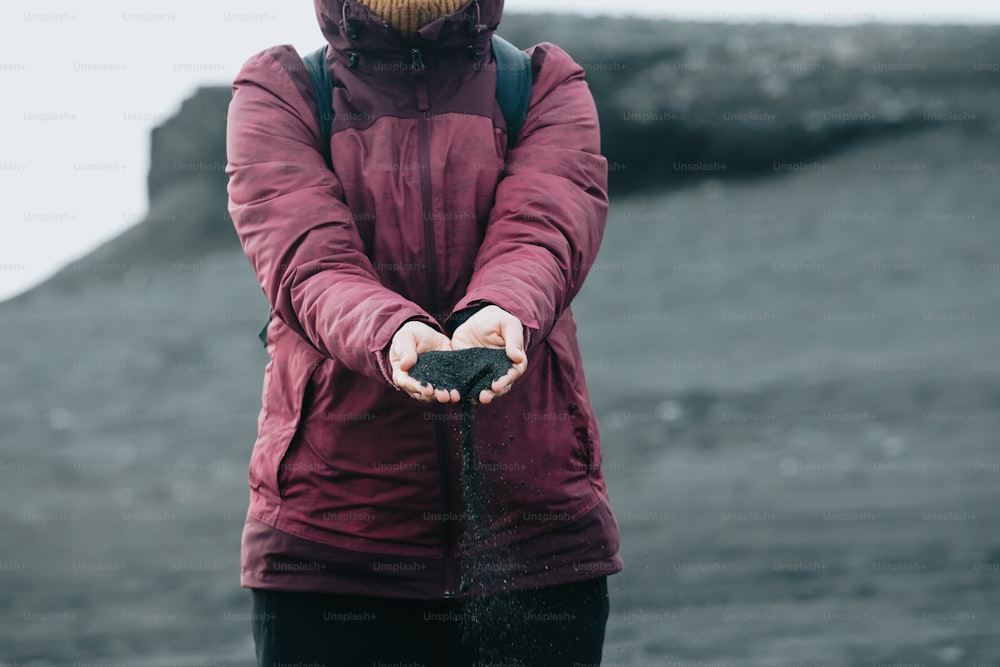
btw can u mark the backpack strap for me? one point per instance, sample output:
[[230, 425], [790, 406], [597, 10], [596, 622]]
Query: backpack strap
[[513, 85], [262, 334], [319, 72]]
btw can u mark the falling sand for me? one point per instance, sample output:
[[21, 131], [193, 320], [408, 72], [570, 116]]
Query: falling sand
[[486, 625]]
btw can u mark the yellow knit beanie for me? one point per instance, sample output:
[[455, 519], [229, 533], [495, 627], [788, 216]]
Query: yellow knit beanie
[[407, 16]]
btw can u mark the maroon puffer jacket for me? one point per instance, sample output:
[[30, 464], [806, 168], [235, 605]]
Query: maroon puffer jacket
[[354, 485]]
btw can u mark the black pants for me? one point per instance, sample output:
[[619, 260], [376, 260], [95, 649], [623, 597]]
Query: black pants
[[558, 626]]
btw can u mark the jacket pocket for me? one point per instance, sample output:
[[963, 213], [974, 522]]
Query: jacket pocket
[[572, 403], [286, 378], [583, 432]]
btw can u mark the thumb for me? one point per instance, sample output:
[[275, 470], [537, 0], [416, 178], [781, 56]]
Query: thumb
[[404, 352], [513, 336]]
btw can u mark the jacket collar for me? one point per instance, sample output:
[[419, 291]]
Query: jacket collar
[[350, 27]]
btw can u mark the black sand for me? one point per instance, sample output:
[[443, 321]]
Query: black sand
[[469, 371]]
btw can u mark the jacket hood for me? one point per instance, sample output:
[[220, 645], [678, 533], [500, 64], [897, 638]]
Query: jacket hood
[[350, 26]]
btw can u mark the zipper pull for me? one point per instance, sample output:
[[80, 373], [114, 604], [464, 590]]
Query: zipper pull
[[418, 59], [423, 103]]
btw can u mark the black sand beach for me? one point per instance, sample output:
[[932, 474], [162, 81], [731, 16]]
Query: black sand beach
[[795, 369]]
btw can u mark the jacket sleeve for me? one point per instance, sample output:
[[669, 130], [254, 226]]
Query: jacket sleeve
[[296, 230], [548, 219]]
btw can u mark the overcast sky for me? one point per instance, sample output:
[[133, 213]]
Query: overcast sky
[[83, 84]]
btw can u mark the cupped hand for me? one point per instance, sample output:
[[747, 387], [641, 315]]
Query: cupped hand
[[494, 327], [412, 339]]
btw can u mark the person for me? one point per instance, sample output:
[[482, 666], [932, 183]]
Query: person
[[428, 233]]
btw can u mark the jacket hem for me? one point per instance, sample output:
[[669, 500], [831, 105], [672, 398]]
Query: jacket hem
[[275, 559]]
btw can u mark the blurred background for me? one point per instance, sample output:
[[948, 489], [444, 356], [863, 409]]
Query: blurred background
[[790, 335]]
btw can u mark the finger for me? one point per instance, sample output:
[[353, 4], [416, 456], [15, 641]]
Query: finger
[[443, 395], [403, 353], [500, 383], [454, 396], [401, 380], [408, 384], [513, 337], [422, 395], [505, 381]]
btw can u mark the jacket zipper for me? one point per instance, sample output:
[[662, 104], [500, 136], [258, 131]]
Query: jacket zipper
[[423, 148]]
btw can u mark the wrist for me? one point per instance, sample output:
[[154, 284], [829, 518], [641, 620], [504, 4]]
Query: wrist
[[460, 317]]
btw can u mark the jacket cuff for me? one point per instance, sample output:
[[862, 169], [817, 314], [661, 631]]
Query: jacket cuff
[[461, 316]]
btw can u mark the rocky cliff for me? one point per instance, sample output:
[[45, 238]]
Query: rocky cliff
[[679, 103]]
